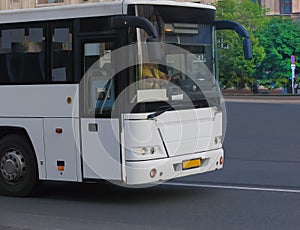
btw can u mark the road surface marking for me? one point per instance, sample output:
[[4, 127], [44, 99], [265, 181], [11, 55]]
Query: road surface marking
[[234, 187]]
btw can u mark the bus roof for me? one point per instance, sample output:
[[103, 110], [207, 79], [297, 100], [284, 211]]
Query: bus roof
[[169, 3], [103, 8]]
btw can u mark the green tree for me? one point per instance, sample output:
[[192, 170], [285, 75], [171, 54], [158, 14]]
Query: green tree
[[281, 38], [234, 69]]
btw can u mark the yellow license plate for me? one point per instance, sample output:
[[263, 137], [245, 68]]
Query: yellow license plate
[[189, 164]]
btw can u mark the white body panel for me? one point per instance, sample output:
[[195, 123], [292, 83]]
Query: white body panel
[[139, 134], [138, 172], [61, 12], [168, 3], [175, 136], [38, 101], [39, 109], [101, 149], [182, 131], [62, 147], [165, 3], [190, 131]]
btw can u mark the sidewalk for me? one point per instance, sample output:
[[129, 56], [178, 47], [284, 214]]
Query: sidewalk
[[274, 99]]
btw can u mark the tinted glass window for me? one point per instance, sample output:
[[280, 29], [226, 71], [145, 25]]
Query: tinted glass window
[[98, 77], [22, 55], [61, 52]]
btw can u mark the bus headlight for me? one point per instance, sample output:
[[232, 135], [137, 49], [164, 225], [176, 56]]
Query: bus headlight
[[146, 150]]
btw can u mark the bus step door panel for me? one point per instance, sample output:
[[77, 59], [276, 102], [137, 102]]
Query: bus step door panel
[[100, 149], [61, 149]]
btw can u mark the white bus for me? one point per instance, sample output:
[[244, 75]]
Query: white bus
[[76, 103]]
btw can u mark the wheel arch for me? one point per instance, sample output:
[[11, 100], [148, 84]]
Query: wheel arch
[[10, 130]]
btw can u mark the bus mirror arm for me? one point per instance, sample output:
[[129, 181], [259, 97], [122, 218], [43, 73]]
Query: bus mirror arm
[[247, 47], [153, 41], [135, 22], [240, 30]]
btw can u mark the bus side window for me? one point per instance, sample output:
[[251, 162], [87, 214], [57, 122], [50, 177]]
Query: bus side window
[[22, 55], [98, 75], [4, 77], [62, 54]]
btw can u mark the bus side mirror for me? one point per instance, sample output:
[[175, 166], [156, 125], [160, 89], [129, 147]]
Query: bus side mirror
[[154, 49], [247, 47], [240, 30]]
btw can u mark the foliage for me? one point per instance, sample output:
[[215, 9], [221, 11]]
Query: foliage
[[281, 38], [234, 69]]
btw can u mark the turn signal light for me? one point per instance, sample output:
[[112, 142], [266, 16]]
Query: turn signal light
[[221, 160], [61, 168]]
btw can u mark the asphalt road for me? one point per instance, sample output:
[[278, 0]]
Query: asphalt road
[[262, 146], [259, 187]]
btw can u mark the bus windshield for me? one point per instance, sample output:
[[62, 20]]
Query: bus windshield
[[187, 67]]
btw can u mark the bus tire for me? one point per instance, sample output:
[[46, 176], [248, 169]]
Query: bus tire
[[18, 168]]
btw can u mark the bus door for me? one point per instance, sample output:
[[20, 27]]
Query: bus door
[[99, 129]]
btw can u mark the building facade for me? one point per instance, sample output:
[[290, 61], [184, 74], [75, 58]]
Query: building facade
[[283, 7], [274, 7], [19, 4]]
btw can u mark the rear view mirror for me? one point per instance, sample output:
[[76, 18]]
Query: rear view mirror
[[240, 30], [247, 47]]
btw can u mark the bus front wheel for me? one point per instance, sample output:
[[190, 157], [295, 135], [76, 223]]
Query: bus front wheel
[[18, 169]]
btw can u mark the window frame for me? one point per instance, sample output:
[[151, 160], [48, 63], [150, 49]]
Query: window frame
[[284, 5]]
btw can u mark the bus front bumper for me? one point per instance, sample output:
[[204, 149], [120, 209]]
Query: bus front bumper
[[151, 171]]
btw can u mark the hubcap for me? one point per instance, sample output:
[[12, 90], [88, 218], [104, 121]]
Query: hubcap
[[13, 166]]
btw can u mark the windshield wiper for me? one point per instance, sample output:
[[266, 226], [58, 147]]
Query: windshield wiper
[[157, 113], [170, 108]]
